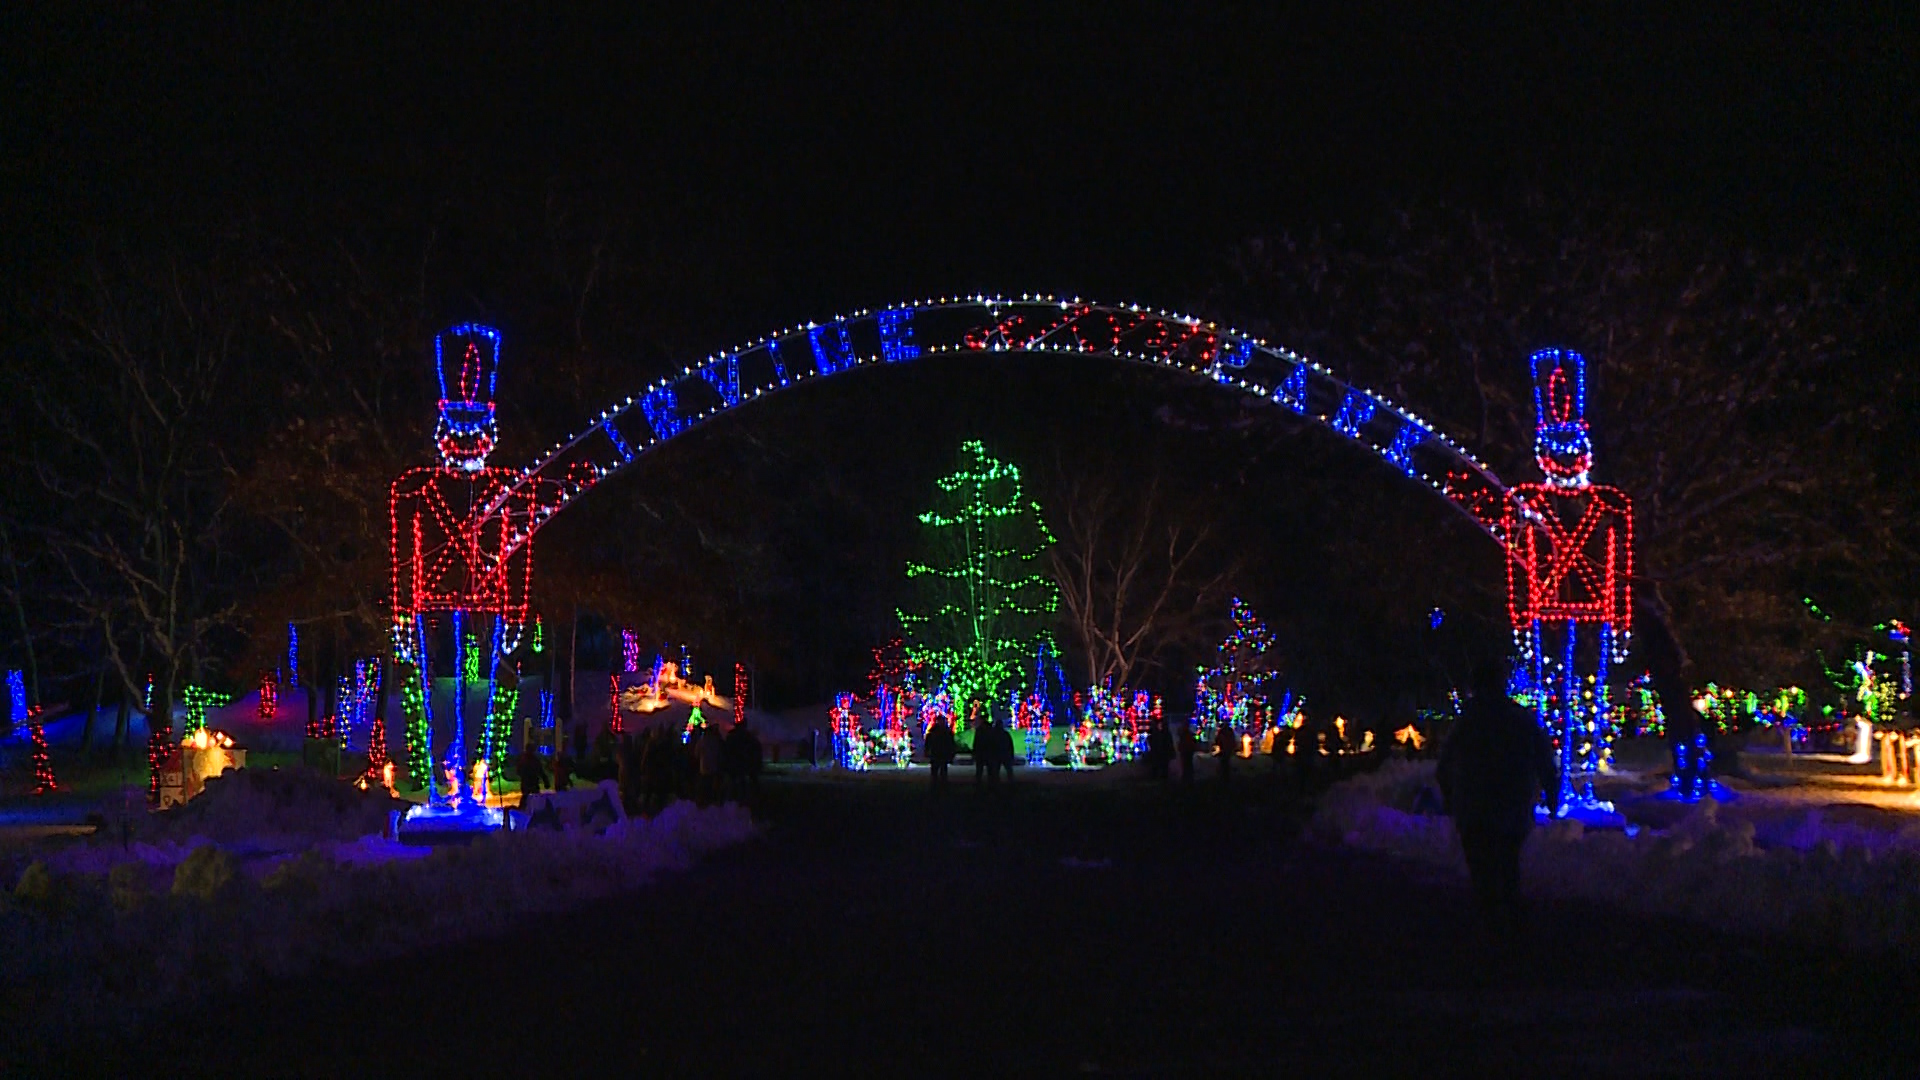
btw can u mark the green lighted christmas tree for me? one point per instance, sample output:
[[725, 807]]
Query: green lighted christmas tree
[[983, 604]]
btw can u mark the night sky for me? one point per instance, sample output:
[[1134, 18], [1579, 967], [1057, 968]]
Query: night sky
[[815, 159], [761, 167]]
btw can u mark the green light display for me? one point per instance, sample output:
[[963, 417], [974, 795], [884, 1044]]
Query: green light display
[[983, 607]]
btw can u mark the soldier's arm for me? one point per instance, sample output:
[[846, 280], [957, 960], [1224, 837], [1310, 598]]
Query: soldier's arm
[[400, 514]]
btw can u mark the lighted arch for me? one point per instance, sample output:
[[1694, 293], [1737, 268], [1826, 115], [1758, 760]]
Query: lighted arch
[[1036, 324]]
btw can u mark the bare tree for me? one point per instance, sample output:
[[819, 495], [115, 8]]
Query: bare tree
[[355, 413], [139, 393], [1136, 567], [15, 591]]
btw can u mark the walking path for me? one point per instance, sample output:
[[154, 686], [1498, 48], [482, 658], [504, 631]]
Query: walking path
[[1057, 927]]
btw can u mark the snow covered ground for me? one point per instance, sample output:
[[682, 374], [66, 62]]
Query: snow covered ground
[[1835, 859], [274, 874]]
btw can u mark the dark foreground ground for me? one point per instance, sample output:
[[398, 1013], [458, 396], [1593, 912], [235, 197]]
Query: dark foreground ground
[[1053, 927]]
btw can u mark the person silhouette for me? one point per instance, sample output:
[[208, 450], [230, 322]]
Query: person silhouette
[[1495, 768], [1188, 746], [533, 774], [1159, 753], [742, 761], [940, 751], [1226, 744]]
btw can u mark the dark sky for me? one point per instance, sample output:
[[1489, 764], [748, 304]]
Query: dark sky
[[835, 155], [763, 165]]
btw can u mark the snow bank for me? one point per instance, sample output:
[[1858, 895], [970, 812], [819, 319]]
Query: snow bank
[[251, 813], [278, 809], [1841, 885], [105, 932]]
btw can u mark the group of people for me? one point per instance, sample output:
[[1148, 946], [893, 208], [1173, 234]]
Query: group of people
[[1497, 766], [729, 765], [1165, 741], [659, 766], [992, 751]]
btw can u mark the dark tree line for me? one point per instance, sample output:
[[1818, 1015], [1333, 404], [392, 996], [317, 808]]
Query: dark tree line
[[201, 442]]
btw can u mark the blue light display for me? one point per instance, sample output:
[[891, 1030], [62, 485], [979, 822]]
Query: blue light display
[[492, 739], [1400, 453], [779, 364], [661, 407], [619, 441], [468, 386], [424, 755], [724, 377], [1293, 392], [466, 431], [1547, 406], [988, 324], [1356, 411], [896, 335], [1050, 679], [831, 350], [1235, 352], [1602, 707], [1562, 445], [1569, 720], [456, 756], [17, 699], [1692, 769]]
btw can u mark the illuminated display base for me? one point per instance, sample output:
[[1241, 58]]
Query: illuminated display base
[[1709, 789], [1594, 813], [432, 822]]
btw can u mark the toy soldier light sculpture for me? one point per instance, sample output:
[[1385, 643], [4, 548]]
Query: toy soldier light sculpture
[[1569, 569], [451, 556]]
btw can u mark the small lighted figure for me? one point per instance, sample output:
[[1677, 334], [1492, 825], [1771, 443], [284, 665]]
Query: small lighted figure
[[1903, 637], [667, 687], [203, 755], [1569, 576], [1862, 741]]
